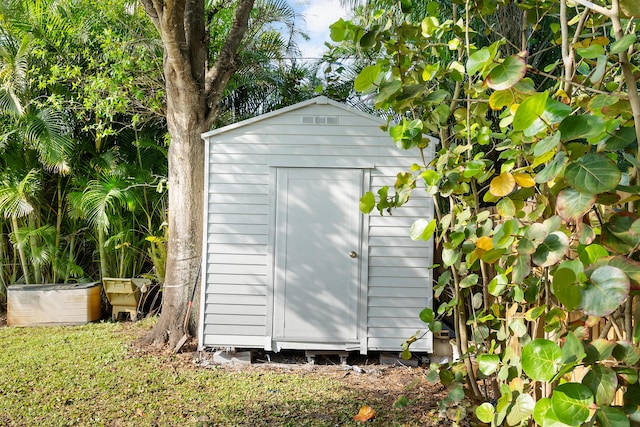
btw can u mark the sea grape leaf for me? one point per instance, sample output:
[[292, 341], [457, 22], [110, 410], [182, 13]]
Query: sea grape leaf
[[541, 359], [571, 403], [607, 288], [530, 110], [507, 74], [603, 382], [551, 250], [593, 173], [573, 204]]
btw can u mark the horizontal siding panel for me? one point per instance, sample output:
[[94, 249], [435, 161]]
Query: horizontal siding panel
[[391, 322], [409, 215], [232, 319], [239, 189], [418, 303], [239, 259], [296, 127], [238, 269], [395, 312], [397, 292], [240, 239], [391, 344], [402, 333], [399, 251], [417, 262], [237, 219], [237, 168], [211, 329], [395, 241], [399, 282], [241, 199], [389, 232], [233, 209], [213, 249], [247, 300], [216, 280], [231, 309], [237, 229], [256, 341], [398, 272], [238, 178]]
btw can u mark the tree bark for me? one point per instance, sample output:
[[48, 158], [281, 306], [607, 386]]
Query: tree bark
[[192, 100]]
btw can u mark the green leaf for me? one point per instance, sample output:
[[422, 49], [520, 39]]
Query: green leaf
[[571, 403], [630, 8], [429, 25], [521, 410], [507, 74], [593, 173], [552, 169], [368, 79], [540, 359], [590, 254], [623, 44], [530, 110], [598, 72], [610, 416], [591, 52], [603, 382], [367, 202], [469, 281], [564, 287], [631, 268], [427, 315], [626, 353], [485, 412], [544, 416], [388, 90], [478, 60], [622, 139], [551, 250], [547, 144], [488, 363], [572, 204], [500, 99], [607, 289], [422, 229], [368, 40], [581, 127], [572, 350], [338, 30]]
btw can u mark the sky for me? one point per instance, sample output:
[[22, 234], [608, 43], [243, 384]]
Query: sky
[[318, 16]]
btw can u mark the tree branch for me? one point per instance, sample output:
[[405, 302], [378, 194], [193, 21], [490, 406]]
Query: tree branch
[[154, 11], [600, 9], [226, 64]]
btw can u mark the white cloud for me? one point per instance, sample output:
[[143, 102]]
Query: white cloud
[[318, 16]]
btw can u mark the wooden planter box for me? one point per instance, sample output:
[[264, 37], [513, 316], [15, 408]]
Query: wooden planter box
[[123, 295], [53, 304]]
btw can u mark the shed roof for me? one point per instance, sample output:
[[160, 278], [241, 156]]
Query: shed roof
[[320, 100]]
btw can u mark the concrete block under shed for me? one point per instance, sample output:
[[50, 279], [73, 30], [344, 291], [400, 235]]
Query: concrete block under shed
[[223, 357], [53, 304], [397, 360]]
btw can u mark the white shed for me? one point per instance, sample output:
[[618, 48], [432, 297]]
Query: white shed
[[289, 260]]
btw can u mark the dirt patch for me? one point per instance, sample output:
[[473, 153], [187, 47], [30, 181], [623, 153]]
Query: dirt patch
[[388, 387]]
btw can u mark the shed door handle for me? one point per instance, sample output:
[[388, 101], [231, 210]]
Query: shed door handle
[[353, 254]]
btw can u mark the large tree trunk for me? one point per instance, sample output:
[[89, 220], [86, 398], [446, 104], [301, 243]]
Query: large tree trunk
[[192, 94]]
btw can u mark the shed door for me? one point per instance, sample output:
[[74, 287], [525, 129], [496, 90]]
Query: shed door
[[316, 283]]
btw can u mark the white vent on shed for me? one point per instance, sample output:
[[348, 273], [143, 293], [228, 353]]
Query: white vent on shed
[[320, 120]]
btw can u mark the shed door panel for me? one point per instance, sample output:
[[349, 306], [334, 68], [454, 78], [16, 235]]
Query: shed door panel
[[316, 280]]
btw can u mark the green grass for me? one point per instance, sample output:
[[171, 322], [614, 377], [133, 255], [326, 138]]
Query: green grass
[[90, 376]]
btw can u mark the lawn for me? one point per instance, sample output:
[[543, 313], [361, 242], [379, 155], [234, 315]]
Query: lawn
[[93, 375]]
